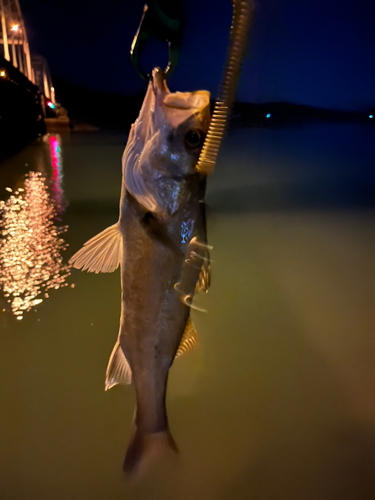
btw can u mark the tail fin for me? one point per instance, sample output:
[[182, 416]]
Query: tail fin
[[144, 449]]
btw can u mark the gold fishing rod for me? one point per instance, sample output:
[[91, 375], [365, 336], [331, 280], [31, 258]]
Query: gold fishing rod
[[242, 14]]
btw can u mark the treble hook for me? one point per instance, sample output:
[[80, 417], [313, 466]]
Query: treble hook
[[163, 22]]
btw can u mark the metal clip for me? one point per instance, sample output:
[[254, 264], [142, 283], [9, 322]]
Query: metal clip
[[163, 22]]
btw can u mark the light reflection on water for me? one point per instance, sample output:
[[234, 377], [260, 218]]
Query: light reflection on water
[[31, 246], [54, 143]]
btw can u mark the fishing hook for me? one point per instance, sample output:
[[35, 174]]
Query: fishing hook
[[162, 20]]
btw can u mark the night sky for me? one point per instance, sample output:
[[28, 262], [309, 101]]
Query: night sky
[[319, 53]]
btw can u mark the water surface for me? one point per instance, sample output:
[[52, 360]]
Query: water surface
[[279, 401]]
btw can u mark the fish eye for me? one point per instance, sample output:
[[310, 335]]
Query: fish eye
[[194, 138]]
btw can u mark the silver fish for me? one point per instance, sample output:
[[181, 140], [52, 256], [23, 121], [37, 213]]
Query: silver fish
[[160, 242]]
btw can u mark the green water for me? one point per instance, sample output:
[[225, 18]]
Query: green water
[[278, 403]]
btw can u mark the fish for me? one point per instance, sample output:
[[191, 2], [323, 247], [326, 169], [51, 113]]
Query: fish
[[160, 244]]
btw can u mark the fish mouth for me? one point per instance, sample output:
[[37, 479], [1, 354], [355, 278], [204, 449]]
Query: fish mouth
[[159, 84]]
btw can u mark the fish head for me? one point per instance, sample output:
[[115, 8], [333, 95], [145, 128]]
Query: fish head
[[182, 120], [164, 146]]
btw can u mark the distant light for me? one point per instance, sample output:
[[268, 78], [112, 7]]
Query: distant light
[[15, 27], [3, 73], [268, 115], [371, 116], [51, 105]]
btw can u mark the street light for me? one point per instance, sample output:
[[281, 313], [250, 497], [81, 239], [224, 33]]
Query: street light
[[14, 29]]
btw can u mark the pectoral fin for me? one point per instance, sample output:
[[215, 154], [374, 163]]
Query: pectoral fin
[[118, 369], [189, 340], [101, 254]]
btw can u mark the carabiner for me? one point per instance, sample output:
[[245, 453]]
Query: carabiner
[[161, 22]]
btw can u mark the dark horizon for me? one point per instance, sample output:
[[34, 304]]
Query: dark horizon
[[109, 109]]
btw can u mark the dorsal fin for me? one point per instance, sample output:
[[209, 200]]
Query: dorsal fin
[[189, 340], [118, 369], [101, 254]]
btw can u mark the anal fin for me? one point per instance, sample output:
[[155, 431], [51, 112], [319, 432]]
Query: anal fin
[[189, 340], [101, 254], [118, 369]]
